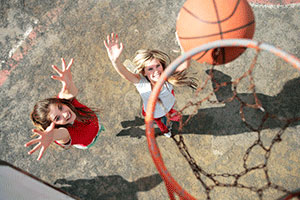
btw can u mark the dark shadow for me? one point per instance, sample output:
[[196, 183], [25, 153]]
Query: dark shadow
[[225, 119], [132, 129], [108, 187], [294, 194], [135, 132]]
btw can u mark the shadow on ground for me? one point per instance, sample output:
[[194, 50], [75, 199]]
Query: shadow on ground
[[295, 194], [226, 120], [108, 187]]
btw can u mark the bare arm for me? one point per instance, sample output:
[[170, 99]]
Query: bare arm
[[68, 90], [46, 137], [186, 64], [114, 50]]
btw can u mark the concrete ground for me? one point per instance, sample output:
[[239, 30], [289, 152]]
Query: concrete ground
[[36, 34]]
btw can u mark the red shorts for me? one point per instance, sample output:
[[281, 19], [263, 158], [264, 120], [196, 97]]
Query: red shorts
[[171, 115]]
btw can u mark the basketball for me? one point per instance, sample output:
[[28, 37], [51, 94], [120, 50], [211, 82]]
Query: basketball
[[203, 21]]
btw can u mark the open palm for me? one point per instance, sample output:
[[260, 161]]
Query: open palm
[[65, 75], [113, 47], [44, 140]]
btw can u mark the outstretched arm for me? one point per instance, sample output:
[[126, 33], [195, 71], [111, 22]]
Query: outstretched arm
[[114, 50], [68, 90], [186, 64], [46, 138]]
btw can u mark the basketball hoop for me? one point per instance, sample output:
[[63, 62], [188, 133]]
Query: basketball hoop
[[171, 184]]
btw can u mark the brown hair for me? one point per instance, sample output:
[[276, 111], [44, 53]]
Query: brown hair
[[39, 115]]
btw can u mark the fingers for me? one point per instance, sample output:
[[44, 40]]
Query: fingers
[[114, 38], [63, 64], [34, 149], [56, 78], [70, 63], [111, 39], [37, 131], [31, 142], [117, 38], [43, 149], [105, 44], [57, 70]]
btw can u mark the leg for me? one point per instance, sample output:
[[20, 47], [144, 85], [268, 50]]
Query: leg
[[173, 115], [163, 128]]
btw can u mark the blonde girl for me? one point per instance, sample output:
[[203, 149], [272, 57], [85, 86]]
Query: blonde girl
[[149, 66]]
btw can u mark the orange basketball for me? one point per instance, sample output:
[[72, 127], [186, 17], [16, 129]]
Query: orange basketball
[[203, 21]]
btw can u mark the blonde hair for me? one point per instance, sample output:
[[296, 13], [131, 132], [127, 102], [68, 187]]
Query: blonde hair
[[177, 78]]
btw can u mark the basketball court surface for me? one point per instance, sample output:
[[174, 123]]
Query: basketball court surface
[[36, 34]]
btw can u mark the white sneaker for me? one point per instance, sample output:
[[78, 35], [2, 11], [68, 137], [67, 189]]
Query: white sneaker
[[168, 134]]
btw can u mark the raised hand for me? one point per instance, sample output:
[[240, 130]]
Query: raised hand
[[69, 90], [113, 47], [65, 75], [44, 140]]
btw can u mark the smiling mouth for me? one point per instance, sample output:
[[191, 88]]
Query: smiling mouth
[[69, 116], [156, 76]]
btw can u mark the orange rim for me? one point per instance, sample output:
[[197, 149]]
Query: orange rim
[[171, 184]]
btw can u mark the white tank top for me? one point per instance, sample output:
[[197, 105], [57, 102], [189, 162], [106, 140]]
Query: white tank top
[[165, 95]]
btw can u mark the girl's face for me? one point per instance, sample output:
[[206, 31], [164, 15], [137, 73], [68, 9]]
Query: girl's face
[[153, 69], [61, 114]]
